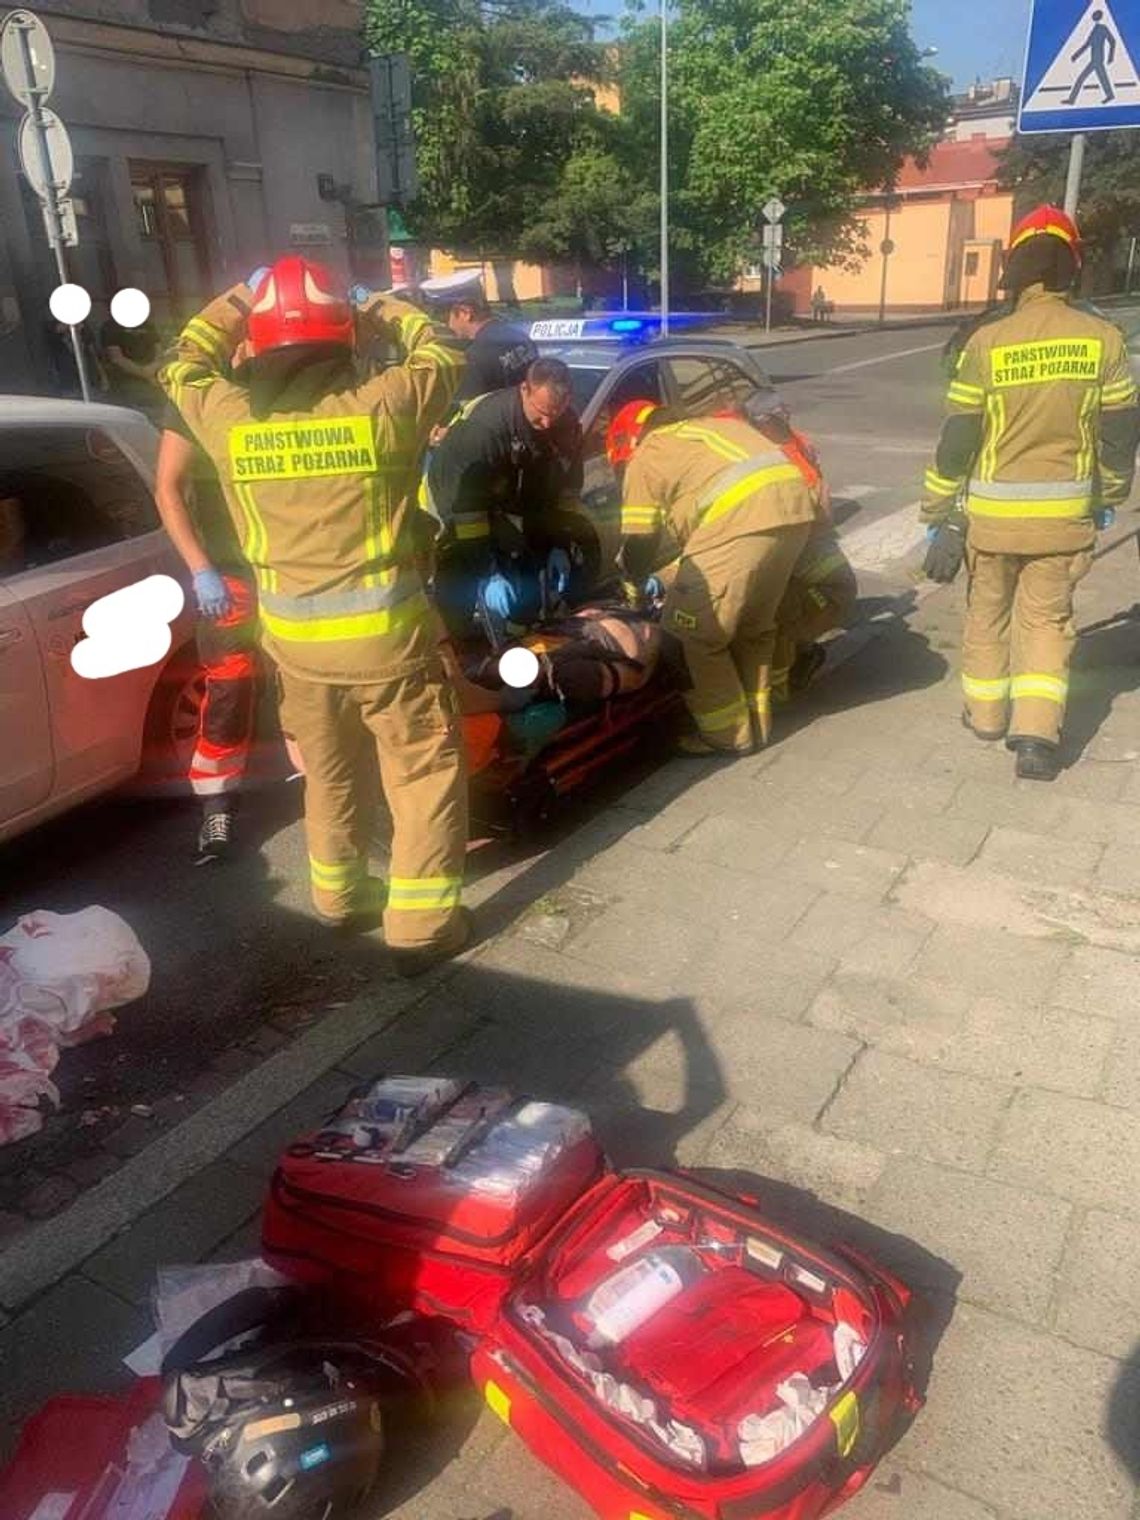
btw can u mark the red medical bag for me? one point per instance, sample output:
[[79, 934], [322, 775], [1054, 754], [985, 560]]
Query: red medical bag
[[72, 1463], [392, 1231], [665, 1348]]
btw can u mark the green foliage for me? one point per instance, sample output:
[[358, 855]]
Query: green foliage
[[1035, 168], [816, 102], [501, 111]]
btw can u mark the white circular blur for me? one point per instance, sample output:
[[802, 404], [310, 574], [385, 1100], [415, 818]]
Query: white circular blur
[[70, 304], [519, 666], [130, 307]]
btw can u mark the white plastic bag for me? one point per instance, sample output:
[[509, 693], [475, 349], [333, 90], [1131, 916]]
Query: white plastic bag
[[60, 975], [183, 1294]]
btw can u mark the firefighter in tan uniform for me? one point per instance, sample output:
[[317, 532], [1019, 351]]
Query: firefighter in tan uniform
[[1040, 439], [318, 469], [820, 598], [739, 508]]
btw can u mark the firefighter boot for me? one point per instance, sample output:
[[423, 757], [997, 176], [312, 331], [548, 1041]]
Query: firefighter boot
[[1036, 760]]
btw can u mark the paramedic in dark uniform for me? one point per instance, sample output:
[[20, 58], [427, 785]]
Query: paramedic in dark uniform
[[503, 485]]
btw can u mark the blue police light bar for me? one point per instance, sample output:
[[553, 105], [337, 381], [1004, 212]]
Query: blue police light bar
[[627, 326]]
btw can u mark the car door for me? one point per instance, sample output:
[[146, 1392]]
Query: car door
[[601, 493], [26, 762], [90, 528]]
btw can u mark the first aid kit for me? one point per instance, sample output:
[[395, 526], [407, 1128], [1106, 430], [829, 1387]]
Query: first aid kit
[[101, 1458], [668, 1350]]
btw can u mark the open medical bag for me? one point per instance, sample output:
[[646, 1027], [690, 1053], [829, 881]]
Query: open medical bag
[[661, 1345]]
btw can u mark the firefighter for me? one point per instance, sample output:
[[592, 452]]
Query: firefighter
[[318, 470], [739, 500], [503, 485], [820, 598], [195, 515], [1039, 442]]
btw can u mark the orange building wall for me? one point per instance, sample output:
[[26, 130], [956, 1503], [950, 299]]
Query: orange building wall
[[916, 271]]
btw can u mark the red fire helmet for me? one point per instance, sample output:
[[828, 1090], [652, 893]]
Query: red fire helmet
[[625, 430], [299, 301], [1048, 221]]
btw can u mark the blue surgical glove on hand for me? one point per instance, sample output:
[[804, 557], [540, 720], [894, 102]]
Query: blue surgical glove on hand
[[558, 569], [655, 588], [498, 597], [358, 294], [254, 280], [1104, 517], [211, 593]]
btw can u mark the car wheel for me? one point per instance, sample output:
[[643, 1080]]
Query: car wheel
[[172, 721]]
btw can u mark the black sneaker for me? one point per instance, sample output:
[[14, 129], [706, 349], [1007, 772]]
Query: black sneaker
[[215, 837]]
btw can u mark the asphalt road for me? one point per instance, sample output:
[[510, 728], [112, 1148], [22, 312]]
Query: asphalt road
[[233, 945]]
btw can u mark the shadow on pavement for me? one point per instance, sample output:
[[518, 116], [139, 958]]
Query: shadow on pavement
[[1106, 665], [1123, 1419]]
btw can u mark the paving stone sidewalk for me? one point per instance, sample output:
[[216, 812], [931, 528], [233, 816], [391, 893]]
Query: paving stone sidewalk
[[868, 971]]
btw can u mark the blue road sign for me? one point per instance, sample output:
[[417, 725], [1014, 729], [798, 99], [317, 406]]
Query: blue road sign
[[1080, 66]]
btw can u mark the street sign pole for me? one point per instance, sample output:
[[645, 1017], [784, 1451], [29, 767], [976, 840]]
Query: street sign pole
[[768, 305], [664, 167], [35, 89], [1076, 170], [773, 243]]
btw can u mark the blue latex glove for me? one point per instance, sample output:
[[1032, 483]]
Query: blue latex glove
[[498, 596], [211, 593], [358, 294], [654, 588], [254, 280], [1104, 517], [558, 569]]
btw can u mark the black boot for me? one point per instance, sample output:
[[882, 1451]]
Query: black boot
[[1036, 760], [216, 836]]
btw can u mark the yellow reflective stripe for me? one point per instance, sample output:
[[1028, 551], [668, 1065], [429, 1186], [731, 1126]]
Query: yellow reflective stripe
[[717, 718], [761, 701], [743, 489], [995, 428], [464, 530], [633, 518], [965, 395], [497, 1401], [186, 374], [1121, 392], [446, 358], [424, 894], [362, 625], [941, 485], [256, 547], [986, 690], [1073, 507], [1086, 456], [1048, 688], [205, 336], [824, 569], [844, 1415], [696, 434], [335, 873], [378, 538]]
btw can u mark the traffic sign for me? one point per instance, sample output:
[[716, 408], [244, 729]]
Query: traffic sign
[[771, 259], [774, 210], [1080, 69], [887, 247], [53, 179], [27, 58], [772, 237]]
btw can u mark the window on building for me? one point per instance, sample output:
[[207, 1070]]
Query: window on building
[[171, 222], [76, 490]]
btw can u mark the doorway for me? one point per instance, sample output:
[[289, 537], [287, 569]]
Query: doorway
[[170, 216]]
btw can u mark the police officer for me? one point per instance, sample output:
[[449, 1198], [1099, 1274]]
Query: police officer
[[318, 471], [739, 500], [1039, 443], [498, 353], [503, 484]]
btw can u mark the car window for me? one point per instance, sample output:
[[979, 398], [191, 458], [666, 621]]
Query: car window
[[642, 383], [585, 383], [706, 385], [67, 490]]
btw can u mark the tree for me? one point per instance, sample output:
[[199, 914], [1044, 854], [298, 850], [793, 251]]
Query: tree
[[503, 114], [1035, 169], [818, 102]]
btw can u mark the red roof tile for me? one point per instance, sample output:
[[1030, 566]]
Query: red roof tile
[[953, 163]]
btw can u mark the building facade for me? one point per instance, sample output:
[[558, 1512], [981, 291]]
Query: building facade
[[210, 136]]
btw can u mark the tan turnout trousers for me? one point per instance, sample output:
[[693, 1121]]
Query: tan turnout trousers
[[410, 722], [1018, 641], [722, 607]]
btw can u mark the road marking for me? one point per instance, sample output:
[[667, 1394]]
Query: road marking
[[854, 493], [904, 353]]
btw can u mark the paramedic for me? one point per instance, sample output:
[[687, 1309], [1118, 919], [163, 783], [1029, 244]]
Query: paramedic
[[739, 501], [318, 470], [502, 485], [1040, 441]]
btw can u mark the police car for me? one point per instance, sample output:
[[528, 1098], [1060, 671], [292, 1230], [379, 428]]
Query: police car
[[615, 359]]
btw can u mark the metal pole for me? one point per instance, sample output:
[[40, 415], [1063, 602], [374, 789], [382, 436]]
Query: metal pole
[[1131, 266], [886, 258], [664, 167], [768, 304], [1076, 169], [51, 203]]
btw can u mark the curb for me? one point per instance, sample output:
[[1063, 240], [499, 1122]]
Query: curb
[[807, 335]]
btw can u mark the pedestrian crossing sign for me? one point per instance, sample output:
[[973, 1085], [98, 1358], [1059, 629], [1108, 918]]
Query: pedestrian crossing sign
[[1080, 69]]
